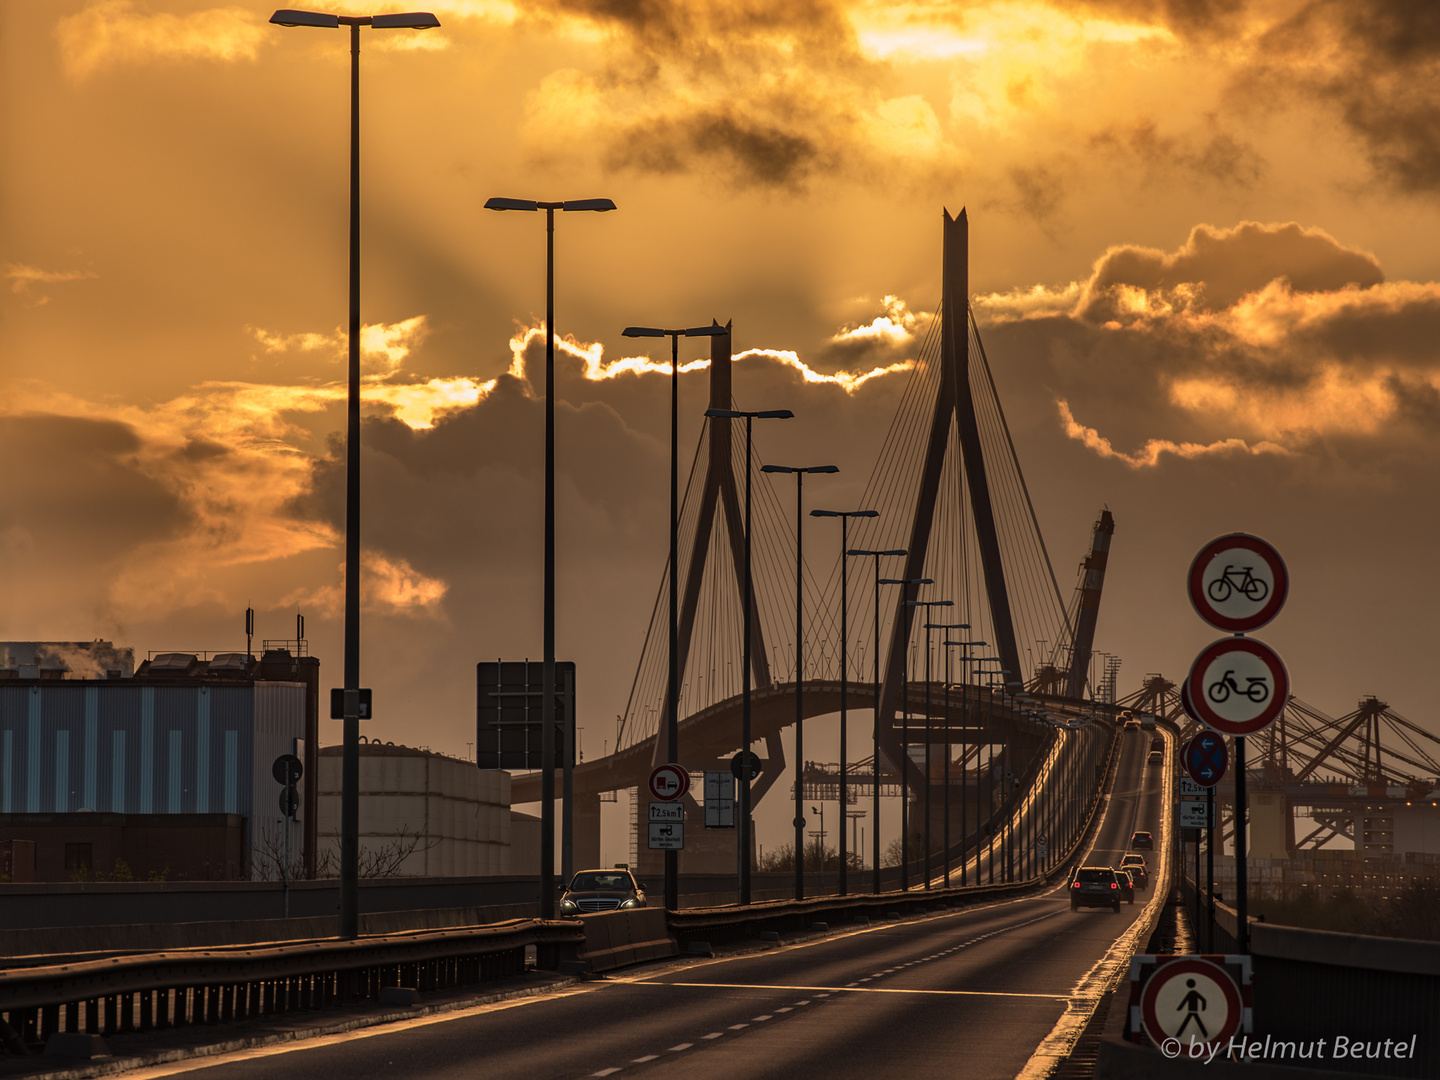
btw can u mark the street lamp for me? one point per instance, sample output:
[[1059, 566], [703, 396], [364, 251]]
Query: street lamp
[[821, 811], [672, 688], [799, 474], [927, 604], [844, 516], [547, 686], [746, 825], [350, 758], [875, 803], [905, 747], [965, 661], [945, 790]]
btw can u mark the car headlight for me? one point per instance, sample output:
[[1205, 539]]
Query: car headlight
[[568, 905], [632, 902]]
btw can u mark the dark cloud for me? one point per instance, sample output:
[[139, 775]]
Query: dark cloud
[[753, 149], [1216, 267], [66, 475], [1378, 61], [1215, 154]]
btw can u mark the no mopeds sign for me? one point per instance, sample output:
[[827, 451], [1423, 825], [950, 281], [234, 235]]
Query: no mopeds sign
[[1238, 583], [1237, 686]]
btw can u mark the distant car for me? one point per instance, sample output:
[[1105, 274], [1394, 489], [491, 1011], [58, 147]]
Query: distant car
[[1095, 886], [1127, 884], [1156, 757], [601, 890], [1124, 716], [1157, 742], [1135, 863], [1132, 724], [1142, 840]]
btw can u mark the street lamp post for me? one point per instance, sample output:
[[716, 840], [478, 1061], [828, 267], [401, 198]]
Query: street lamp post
[[965, 662], [905, 747], [929, 739], [945, 789], [350, 751], [821, 811], [799, 474], [743, 838], [547, 685], [844, 516], [875, 803], [672, 687]]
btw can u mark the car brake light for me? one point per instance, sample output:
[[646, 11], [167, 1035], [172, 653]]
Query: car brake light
[[1114, 885], [1076, 885]]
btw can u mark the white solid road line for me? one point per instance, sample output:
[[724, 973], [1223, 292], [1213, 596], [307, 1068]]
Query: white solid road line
[[856, 990]]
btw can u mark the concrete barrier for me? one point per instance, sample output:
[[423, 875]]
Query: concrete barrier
[[616, 939]]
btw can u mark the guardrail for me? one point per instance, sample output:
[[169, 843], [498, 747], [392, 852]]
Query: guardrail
[[211, 986]]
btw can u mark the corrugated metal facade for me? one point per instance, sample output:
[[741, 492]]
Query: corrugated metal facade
[[130, 747]]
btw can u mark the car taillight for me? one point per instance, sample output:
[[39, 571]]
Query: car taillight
[[1114, 885], [1076, 885]]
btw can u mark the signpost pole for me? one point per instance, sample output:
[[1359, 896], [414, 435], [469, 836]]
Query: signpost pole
[[1210, 867], [1242, 943]]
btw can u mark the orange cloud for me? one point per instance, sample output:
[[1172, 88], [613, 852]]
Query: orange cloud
[[22, 277], [391, 584], [112, 32], [596, 369], [1149, 455]]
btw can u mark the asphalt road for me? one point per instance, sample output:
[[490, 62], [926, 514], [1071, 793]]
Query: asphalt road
[[966, 994]]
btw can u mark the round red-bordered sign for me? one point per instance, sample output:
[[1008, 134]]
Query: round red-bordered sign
[[1191, 997], [1206, 758], [1238, 686], [669, 782], [1186, 705], [1238, 583]]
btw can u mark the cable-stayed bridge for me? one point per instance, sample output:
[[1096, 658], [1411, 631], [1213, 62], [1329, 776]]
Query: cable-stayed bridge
[[949, 490]]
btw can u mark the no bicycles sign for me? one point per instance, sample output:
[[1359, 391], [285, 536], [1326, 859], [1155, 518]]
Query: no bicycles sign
[[1238, 583]]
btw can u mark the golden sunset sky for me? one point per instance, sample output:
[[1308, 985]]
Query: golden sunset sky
[[1204, 260]]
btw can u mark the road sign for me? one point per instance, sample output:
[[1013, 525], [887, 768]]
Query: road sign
[[745, 765], [667, 811], [289, 801], [1190, 996], [669, 782], [1042, 839], [1238, 686], [337, 704], [1192, 814], [667, 836], [1186, 788], [510, 714], [1238, 583], [287, 769], [719, 800], [1205, 758], [1042, 851]]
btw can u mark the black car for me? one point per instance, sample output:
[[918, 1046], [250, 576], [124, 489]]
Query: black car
[[601, 890], [1095, 886], [1142, 839], [1127, 884], [1135, 863]]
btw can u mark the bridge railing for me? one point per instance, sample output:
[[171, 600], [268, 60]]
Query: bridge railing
[[210, 986]]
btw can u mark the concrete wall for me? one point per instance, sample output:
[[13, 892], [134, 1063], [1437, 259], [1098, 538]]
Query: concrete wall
[[443, 815], [162, 847]]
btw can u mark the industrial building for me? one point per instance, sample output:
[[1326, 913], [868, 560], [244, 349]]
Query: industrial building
[[188, 735]]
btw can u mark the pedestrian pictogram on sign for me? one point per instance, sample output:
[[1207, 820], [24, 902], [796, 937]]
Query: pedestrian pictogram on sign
[[669, 782], [1238, 583], [1237, 686], [1190, 997]]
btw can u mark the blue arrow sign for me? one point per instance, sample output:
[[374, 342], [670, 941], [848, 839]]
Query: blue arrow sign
[[1206, 758]]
